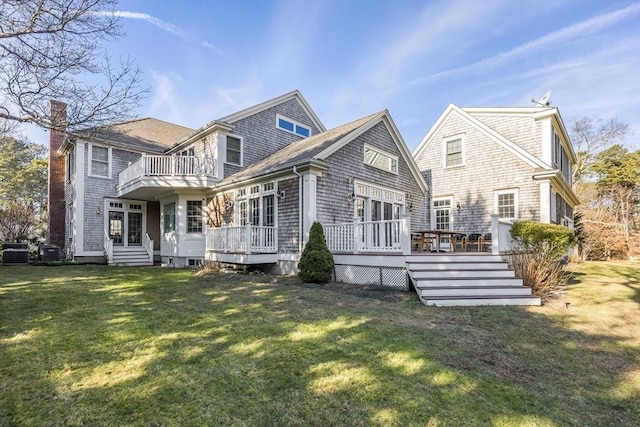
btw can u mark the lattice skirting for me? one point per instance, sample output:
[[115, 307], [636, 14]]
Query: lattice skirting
[[388, 277]]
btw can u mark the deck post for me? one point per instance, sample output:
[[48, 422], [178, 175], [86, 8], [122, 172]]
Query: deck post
[[357, 235], [248, 239], [495, 234], [405, 234]]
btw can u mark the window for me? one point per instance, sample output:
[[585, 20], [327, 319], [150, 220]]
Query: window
[[381, 160], [442, 214], [100, 157], [292, 126], [169, 218], [234, 150], [194, 216], [506, 204], [453, 152]]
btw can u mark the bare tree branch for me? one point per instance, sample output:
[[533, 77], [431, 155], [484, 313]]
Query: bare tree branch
[[51, 49]]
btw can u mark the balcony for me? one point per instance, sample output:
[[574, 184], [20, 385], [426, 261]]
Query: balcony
[[153, 175]]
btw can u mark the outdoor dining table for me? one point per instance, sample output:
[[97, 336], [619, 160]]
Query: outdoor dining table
[[437, 234]]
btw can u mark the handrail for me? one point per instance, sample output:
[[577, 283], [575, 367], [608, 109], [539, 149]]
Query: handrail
[[162, 165], [108, 247], [148, 245], [369, 236]]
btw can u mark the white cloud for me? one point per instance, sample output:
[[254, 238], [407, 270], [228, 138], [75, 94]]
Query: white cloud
[[165, 101], [166, 26]]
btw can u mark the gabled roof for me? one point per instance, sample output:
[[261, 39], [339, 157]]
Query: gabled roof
[[146, 134], [226, 122], [318, 147], [295, 94], [489, 132]]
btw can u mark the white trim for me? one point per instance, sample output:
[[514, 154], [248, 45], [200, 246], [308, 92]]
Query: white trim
[[90, 161], [497, 193], [433, 210], [78, 214], [239, 115], [309, 204], [445, 140], [545, 201], [241, 149], [527, 157], [294, 123], [125, 209]]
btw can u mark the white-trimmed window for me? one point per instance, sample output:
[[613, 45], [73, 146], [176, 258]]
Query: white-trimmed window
[[506, 204], [169, 218], [292, 126], [454, 151], [256, 205], [381, 160], [234, 150], [441, 214], [100, 159], [194, 216]]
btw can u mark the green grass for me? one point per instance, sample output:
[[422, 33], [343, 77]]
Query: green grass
[[95, 345]]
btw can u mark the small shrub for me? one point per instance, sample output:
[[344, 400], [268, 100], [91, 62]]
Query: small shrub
[[208, 269], [539, 256], [316, 262]]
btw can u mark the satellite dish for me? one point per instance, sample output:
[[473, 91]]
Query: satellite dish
[[544, 101]]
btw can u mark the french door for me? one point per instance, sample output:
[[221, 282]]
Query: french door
[[125, 223]]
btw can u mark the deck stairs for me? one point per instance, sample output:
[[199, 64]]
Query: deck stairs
[[466, 279], [130, 256]]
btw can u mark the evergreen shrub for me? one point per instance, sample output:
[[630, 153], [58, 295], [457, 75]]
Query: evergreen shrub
[[316, 262]]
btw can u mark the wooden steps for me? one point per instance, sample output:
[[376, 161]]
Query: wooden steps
[[467, 279], [131, 256]]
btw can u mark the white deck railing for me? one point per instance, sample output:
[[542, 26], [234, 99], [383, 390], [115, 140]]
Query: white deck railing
[[147, 243], [369, 236], [235, 238], [152, 165]]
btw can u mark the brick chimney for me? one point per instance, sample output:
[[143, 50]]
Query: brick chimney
[[56, 224]]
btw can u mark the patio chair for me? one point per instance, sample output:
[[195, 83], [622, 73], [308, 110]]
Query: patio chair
[[474, 240], [486, 242], [460, 241]]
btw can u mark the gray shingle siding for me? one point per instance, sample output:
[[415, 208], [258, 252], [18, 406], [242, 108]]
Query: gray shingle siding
[[96, 190], [260, 135], [288, 216], [488, 168], [524, 131], [334, 201]]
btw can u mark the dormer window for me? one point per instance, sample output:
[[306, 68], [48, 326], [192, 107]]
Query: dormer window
[[292, 126]]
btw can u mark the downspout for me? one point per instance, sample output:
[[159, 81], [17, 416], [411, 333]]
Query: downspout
[[295, 171]]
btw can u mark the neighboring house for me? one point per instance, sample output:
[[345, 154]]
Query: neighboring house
[[515, 163]]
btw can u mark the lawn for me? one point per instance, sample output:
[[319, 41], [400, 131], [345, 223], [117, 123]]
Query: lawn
[[95, 345]]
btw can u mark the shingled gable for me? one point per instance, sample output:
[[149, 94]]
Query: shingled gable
[[226, 122], [318, 147], [489, 132], [147, 135]]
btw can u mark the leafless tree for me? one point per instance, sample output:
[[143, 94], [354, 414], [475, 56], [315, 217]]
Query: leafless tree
[[52, 49], [590, 135]]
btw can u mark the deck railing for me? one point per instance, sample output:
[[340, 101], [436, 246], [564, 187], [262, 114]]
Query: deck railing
[[158, 165], [369, 236], [235, 238]]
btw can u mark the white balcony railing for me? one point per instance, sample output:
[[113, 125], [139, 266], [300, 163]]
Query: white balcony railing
[[152, 165], [369, 236], [235, 238]]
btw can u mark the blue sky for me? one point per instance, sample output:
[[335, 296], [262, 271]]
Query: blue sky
[[350, 58]]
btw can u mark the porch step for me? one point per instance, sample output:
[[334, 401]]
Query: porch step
[[131, 257], [479, 300], [467, 279]]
